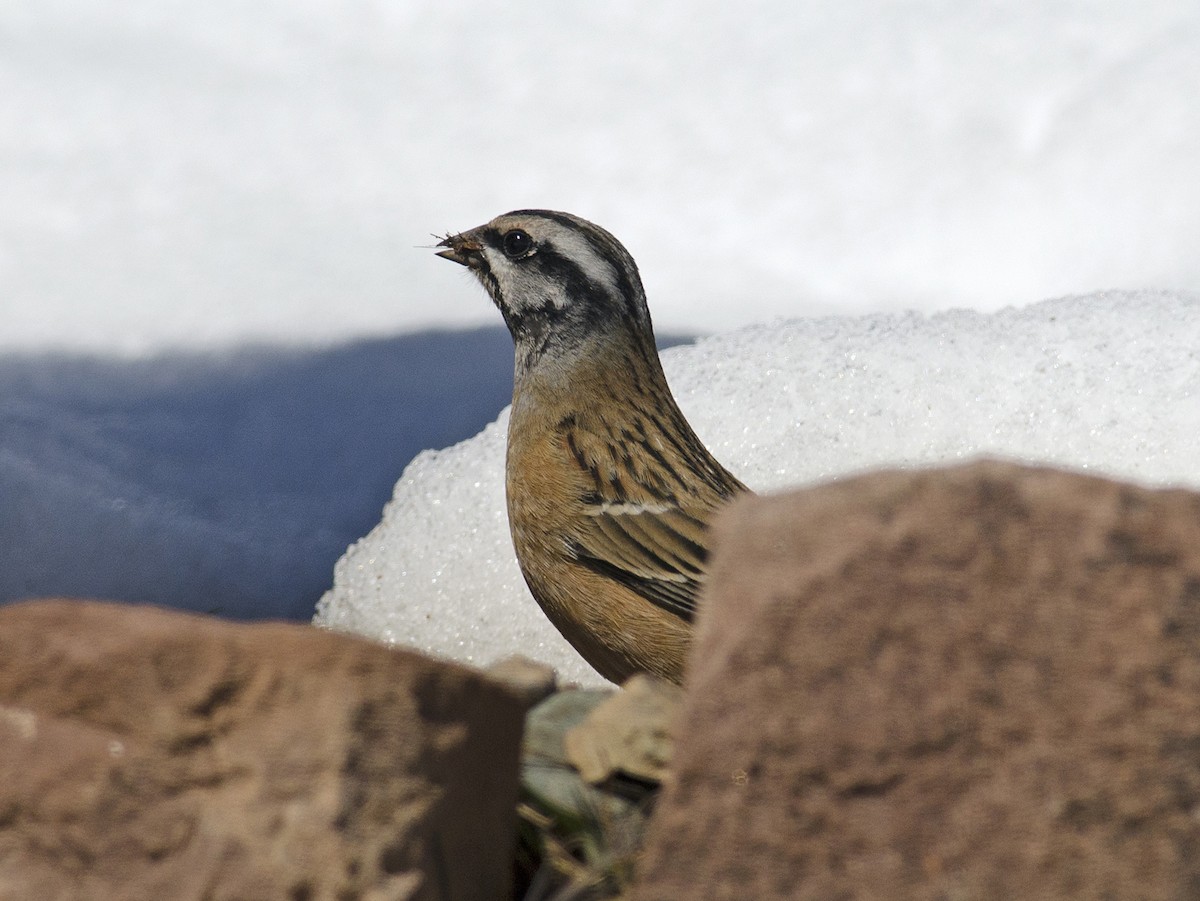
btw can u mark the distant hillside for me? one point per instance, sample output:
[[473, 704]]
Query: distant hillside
[[226, 483]]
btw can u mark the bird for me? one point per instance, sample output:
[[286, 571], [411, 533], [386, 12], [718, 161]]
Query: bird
[[609, 491]]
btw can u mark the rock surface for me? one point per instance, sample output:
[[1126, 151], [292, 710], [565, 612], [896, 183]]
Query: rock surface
[[981, 682], [547, 775], [581, 832], [147, 754], [627, 734], [529, 680]]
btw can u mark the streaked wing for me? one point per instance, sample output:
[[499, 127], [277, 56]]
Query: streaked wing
[[656, 550], [650, 490]]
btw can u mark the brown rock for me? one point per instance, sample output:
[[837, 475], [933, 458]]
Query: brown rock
[[630, 733], [529, 680], [147, 754], [981, 682], [547, 777]]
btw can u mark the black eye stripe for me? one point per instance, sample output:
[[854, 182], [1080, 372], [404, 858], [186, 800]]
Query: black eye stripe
[[607, 248], [592, 277]]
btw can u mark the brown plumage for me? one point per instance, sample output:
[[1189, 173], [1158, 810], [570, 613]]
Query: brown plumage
[[609, 490]]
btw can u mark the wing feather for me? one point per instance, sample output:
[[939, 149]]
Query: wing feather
[[645, 522], [659, 555]]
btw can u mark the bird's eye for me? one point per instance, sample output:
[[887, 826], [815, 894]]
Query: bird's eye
[[517, 243]]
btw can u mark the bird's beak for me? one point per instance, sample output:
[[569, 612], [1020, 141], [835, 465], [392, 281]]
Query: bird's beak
[[463, 250]]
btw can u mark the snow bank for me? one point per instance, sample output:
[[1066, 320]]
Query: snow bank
[[1105, 382], [186, 174]]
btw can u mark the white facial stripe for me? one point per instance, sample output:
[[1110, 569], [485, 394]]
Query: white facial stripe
[[524, 288], [575, 247], [521, 287]]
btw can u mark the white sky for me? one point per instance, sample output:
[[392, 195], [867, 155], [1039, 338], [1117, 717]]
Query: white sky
[[182, 174]]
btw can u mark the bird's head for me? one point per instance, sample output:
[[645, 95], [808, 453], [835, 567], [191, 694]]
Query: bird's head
[[557, 279]]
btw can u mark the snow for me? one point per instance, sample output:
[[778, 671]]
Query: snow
[[200, 175], [213, 271], [1106, 383]]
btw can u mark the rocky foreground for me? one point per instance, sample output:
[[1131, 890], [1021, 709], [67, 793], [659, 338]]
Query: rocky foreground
[[976, 682]]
